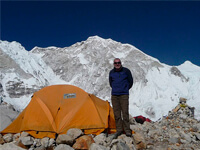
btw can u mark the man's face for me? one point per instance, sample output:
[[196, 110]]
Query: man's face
[[117, 63]]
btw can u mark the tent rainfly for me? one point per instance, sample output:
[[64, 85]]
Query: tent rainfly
[[55, 109]]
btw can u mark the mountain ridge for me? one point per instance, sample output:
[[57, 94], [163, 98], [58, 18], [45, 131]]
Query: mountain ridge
[[86, 64]]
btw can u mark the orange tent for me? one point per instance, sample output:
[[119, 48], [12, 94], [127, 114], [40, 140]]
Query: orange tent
[[55, 109]]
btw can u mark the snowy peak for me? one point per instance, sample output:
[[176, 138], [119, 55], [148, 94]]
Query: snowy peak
[[24, 59], [188, 64], [95, 38]]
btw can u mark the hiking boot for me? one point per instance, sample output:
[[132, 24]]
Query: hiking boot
[[119, 133], [115, 135]]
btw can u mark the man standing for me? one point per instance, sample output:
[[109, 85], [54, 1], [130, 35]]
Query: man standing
[[121, 81]]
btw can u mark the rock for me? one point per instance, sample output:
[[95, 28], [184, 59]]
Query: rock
[[20, 144], [16, 136], [1, 139], [8, 137], [83, 142], [197, 126], [118, 144], [64, 139], [136, 128], [10, 146], [27, 140], [18, 88], [45, 142], [37, 142], [129, 142], [141, 146], [95, 146], [183, 141], [197, 135], [183, 116], [63, 147], [24, 134], [40, 148], [175, 71], [139, 141], [186, 137], [51, 142], [100, 139], [174, 140], [74, 133], [152, 133]]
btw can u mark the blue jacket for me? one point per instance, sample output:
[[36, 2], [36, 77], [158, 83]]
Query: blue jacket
[[120, 81]]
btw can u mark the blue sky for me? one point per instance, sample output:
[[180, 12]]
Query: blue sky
[[166, 30]]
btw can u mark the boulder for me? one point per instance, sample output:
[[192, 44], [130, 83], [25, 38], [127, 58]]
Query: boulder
[[64, 139], [100, 139], [51, 142], [45, 142], [40, 148], [197, 127], [139, 141], [83, 142], [27, 141], [8, 137], [24, 134], [197, 135], [20, 144], [118, 144], [37, 142], [74, 133], [10, 146], [174, 140], [186, 137], [95, 146], [1, 139], [129, 142], [16, 136]]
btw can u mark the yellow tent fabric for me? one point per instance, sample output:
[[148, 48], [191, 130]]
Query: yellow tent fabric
[[57, 108]]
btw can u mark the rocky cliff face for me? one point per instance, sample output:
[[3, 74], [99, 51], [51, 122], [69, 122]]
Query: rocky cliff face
[[87, 64], [156, 90]]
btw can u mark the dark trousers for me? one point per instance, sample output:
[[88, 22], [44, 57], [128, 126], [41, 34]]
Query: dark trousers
[[121, 112]]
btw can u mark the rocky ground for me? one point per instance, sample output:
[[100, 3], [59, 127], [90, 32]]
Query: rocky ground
[[178, 131]]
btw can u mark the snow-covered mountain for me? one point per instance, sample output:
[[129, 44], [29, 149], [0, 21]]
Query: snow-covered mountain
[[156, 90]]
